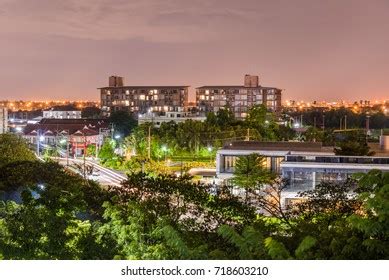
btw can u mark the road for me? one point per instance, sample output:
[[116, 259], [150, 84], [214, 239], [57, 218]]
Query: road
[[106, 176]]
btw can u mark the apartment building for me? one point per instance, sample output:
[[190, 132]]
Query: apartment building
[[238, 98], [142, 99]]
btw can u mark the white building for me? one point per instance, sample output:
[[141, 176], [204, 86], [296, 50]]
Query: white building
[[303, 164], [58, 114], [176, 117], [3, 120]]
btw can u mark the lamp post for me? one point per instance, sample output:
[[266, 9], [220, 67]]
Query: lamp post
[[67, 144], [40, 138], [164, 149], [119, 149], [210, 152], [84, 156]]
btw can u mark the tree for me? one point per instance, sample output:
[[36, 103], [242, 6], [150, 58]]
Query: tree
[[263, 121], [373, 221], [51, 221], [91, 112], [91, 150], [123, 123], [250, 173], [353, 144], [13, 148], [107, 155]]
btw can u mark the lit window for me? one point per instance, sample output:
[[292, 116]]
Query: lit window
[[142, 97]]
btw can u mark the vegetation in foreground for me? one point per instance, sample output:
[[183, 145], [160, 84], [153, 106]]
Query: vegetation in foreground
[[61, 216]]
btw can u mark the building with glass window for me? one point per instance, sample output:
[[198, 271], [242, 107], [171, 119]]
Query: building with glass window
[[142, 99], [238, 98], [304, 165]]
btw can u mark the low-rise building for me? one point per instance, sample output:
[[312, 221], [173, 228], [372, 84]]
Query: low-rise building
[[303, 165], [77, 133], [177, 117], [54, 113]]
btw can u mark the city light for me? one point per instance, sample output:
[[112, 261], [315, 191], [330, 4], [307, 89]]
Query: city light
[[117, 136], [41, 138]]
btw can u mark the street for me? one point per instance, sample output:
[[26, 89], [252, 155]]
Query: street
[[104, 176]]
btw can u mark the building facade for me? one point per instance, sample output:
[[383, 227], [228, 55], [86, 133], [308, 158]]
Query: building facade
[[176, 117], [58, 114], [141, 99], [238, 98], [75, 134], [303, 165], [3, 120]]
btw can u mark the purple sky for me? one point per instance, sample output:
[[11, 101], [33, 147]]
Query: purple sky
[[315, 50]]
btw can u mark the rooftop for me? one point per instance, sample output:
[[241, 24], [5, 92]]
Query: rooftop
[[238, 86], [279, 146], [71, 126], [139, 87]]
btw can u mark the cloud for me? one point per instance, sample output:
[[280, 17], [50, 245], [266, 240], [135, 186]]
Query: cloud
[[152, 20]]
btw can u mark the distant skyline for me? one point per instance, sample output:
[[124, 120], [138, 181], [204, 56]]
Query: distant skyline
[[314, 50]]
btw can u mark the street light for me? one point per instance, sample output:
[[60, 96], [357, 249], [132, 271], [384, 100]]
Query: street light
[[66, 140], [117, 136], [210, 152], [164, 149]]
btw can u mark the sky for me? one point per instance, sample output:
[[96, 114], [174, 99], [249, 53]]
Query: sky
[[312, 49]]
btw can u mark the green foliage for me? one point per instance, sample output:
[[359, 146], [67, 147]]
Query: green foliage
[[13, 148], [162, 216], [250, 173], [353, 144], [250, 243], [276, 249], [263, 121], [303, 250], [107, 155], [123, 123], [373, 222], [91, 150], [91, 113]]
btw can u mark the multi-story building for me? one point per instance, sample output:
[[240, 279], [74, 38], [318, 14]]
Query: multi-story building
[[238, 98], [3, 120], [303, 165], [142, 99]]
